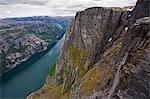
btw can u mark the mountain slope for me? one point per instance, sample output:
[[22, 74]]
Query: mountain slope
[[105, 55], [20, 38]]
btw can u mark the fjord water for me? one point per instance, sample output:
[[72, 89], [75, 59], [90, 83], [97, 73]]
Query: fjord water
[[20, 82]]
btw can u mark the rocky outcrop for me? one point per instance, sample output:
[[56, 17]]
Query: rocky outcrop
[[16, 48], [105, 56]]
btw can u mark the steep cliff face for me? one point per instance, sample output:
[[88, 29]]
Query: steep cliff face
[[90, 34], [106, 55]]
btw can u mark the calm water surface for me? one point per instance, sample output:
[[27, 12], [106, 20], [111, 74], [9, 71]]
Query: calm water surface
[[29, 76]]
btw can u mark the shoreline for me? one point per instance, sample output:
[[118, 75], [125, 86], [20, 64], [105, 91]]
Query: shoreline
[[31, 94], [43, 52]]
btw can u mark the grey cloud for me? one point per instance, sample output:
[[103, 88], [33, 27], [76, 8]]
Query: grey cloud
[[75, 6], [64, 12], [54, 7], [68, 10], [96, 0], [30, 2]]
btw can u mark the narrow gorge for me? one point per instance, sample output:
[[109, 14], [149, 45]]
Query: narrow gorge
[[20, 38], [106, 55]]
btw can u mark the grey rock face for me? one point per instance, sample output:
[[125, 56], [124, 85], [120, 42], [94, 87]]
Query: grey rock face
[[96, 31], [92, 30], [136, 70]]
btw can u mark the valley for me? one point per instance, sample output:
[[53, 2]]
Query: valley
[[20, 38]]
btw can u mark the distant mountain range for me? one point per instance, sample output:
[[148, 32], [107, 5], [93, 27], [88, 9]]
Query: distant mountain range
[[47, 19]]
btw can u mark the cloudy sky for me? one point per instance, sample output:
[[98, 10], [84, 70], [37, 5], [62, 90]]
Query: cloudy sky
[[21, 8]]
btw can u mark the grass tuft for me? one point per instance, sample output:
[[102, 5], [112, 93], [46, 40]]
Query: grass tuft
[[51, 71]]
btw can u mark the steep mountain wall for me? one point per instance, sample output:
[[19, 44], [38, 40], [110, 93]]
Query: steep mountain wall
[[105, 55]]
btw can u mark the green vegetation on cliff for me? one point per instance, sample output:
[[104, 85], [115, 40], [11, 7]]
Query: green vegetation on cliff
[[50, 90], [51, 71], [78, 61]]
